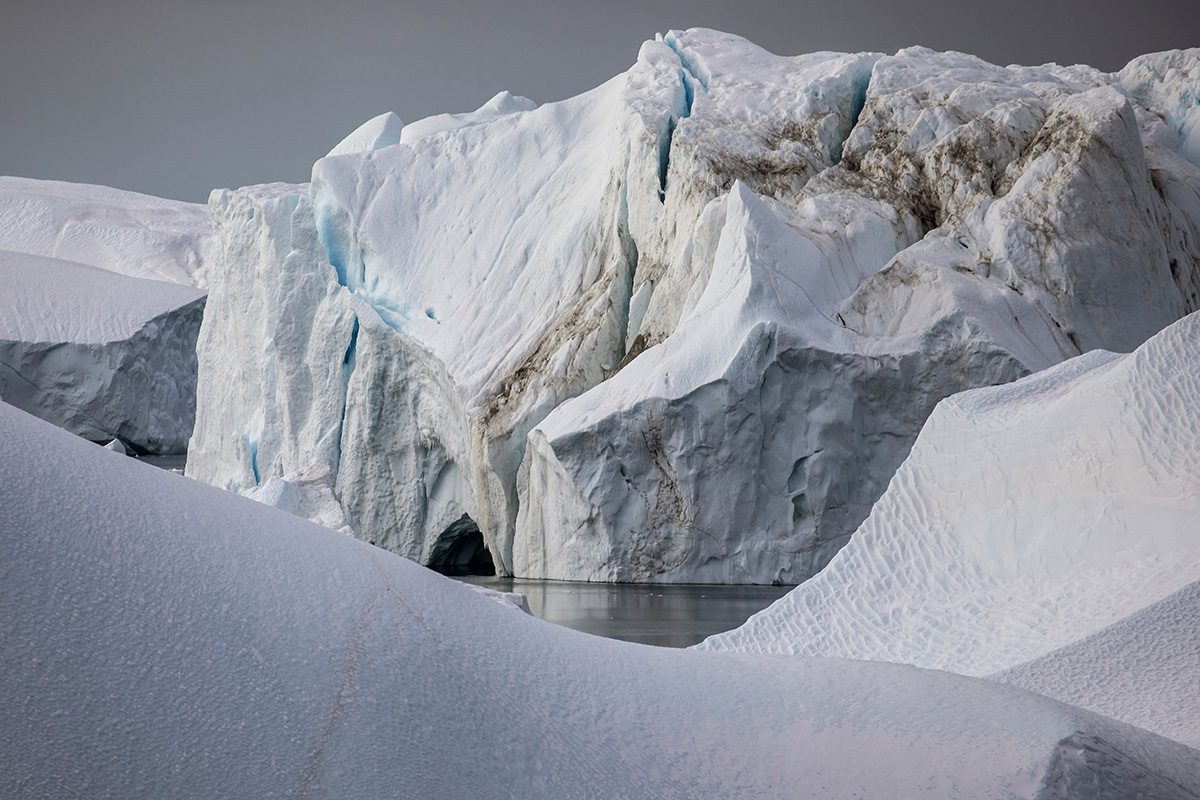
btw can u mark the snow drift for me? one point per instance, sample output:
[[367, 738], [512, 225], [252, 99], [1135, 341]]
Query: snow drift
[[1045, 530], [159, 637], [686, 326]]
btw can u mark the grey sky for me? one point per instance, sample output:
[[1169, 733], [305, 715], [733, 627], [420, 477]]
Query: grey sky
[[177, 98]]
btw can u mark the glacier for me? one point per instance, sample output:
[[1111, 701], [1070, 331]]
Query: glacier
[[1042, 533], [685, 327], [162, 637]]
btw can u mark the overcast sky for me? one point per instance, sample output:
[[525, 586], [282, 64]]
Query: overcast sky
[[175, 99]]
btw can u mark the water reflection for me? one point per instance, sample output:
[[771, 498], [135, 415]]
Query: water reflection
[[668, 616]]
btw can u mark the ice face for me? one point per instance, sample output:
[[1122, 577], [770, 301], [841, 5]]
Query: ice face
[[683, 327], [1169, 84], [165, 637]]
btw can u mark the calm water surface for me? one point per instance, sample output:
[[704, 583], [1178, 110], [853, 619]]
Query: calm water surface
[[668, 616]]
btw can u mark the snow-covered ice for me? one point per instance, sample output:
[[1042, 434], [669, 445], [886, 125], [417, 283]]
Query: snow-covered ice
[[1028, 518], [160, 637], [1169, 84], [685, 327], [124, 232], [103, 355]]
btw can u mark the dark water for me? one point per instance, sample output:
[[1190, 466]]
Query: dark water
[[668, 616], [172, 463]]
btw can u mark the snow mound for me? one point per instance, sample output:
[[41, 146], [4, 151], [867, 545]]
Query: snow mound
[[683, 327], [124, 232], [377, 132], [500, 105], [1027, 518], [162, 637], [103, 355]]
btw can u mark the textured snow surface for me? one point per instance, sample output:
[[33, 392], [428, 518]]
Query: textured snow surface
[[104, 355], [686, 326], [124, 232], [1143, 670], [1028, 518], [159, 637]]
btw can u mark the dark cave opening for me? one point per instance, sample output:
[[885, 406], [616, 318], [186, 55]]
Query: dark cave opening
[[460, 551]]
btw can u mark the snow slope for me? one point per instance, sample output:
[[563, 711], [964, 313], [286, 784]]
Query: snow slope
[[159, 637], [565, 325], [124, 232], [1027, 519], [98, 353], [1142, 669]]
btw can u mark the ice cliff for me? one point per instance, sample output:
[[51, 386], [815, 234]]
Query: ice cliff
[[1045, 530], [162, 638], [686, 326]]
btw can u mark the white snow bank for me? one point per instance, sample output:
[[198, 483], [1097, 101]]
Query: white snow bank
[[1026, 518], [104, 355], [501, 104], [124, 232], [162, 638]]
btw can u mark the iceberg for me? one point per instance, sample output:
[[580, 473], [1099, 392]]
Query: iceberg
[[106, 356], [101, 309], [686, 326], [209, 645], [1043, 532]]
